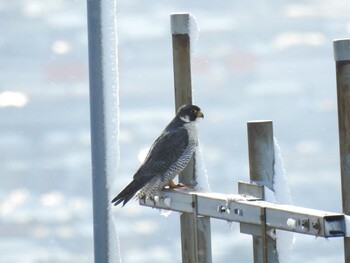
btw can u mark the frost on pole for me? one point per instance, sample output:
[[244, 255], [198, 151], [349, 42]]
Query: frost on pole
[[111, 81], [280, 182], [285, 240], [201, 176], [185, 23], [194, 32], [111, 99]]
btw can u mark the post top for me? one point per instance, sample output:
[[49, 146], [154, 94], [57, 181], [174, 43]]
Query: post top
[[180, 23], [341, 49], [259, 121]]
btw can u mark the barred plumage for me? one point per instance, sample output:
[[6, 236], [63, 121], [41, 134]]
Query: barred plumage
[[167, 157]]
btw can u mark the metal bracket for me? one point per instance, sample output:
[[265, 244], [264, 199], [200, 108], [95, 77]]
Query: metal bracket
[[247, 211]]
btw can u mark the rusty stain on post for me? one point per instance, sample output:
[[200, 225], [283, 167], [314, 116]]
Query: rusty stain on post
[[342, 59]]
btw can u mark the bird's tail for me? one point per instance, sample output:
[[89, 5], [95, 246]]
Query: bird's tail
[[128, 192]]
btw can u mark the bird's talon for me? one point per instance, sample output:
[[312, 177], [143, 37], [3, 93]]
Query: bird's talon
[[173, 185], [180, 185]]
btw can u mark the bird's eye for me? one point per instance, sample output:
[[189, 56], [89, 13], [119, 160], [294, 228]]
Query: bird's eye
[[194, 111]]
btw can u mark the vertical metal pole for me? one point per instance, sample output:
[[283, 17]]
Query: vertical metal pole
[[98, 133], [342, 59], [195, 224], [263, 234], [196, 247], [261, 165]]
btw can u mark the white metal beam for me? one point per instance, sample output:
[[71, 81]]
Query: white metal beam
[[247, 209]]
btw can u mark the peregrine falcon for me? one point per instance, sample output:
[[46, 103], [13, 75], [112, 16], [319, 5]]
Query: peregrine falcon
[[167, 157]]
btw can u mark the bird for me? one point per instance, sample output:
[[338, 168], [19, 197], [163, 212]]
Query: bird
[[167, 157]]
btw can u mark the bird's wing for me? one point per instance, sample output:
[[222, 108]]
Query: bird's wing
[[164, 152]]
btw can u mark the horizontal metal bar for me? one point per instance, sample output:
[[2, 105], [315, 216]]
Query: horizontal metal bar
[[247, 209]]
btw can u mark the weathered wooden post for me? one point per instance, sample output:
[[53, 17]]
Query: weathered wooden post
[[261, 166], [342, 59], [195, 231]]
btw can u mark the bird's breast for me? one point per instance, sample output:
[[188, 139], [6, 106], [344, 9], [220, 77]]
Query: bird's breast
[[192, 133]]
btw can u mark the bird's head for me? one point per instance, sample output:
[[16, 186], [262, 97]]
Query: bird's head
[[188, 113]]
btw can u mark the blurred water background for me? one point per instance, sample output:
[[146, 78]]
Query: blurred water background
[[253, 60]]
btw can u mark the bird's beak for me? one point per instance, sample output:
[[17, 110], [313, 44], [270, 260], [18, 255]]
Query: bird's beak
[[200, 114]]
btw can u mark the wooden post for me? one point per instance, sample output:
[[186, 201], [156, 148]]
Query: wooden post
[[261, 165], [181, 59], [195, 231], [342, 59]]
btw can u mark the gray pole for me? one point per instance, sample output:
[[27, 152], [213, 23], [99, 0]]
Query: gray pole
[[195, 232], [98, 134], [342, 59], [261, 166]]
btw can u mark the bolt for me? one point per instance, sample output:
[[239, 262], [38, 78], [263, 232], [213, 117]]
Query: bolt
[[238, 211], [317, 226], [305, 224], [221, 209]]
